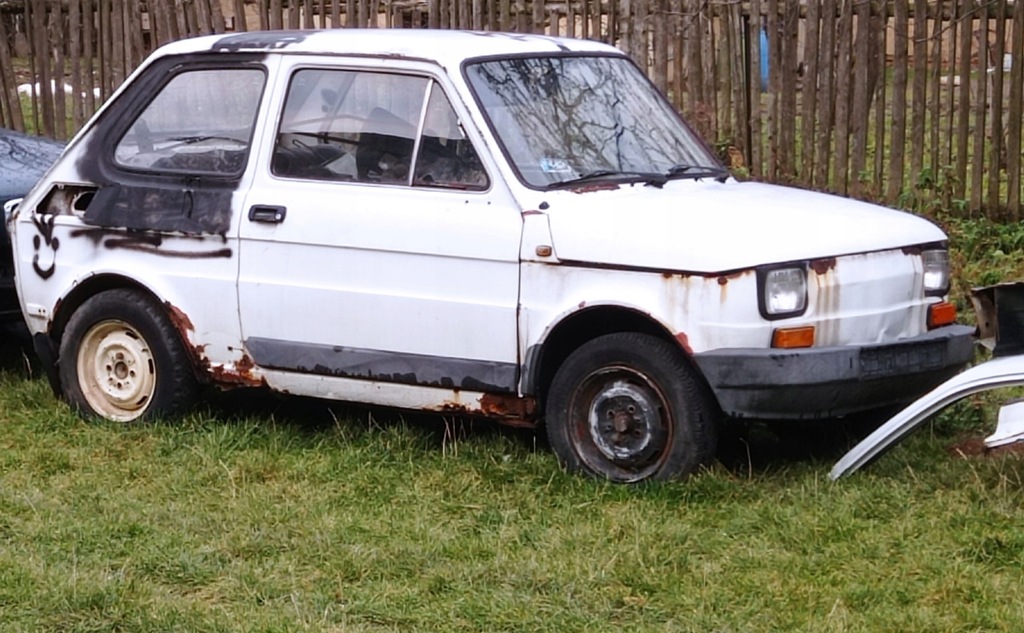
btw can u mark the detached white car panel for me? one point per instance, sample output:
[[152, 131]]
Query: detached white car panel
[[505, 225], [1000, 313]]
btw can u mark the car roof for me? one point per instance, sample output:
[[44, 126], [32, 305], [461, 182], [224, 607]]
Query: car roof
[[445, 47]]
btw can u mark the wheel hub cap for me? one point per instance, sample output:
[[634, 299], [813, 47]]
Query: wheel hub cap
[[116, 370], [625, 423]]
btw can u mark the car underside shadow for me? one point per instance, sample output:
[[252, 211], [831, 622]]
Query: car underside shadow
[[756, 446]]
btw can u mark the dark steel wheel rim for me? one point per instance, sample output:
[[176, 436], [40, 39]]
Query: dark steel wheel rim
[[621, 424]]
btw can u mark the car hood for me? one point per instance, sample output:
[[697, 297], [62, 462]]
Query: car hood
[[708, 226], [23, 159]]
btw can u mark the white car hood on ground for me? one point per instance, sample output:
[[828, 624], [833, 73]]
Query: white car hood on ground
[[709, 226]]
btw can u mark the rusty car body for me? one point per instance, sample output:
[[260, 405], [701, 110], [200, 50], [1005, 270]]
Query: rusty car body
[[506, 225]]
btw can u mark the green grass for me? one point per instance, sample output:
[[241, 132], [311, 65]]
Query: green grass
[[262, 514]]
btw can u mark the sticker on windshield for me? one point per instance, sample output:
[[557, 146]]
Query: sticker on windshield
[[555, 166]]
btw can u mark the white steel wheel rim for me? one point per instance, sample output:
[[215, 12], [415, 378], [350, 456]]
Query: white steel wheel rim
[[116, 370]]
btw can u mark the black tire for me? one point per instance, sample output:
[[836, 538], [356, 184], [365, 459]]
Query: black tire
[[628, 407], [121, 359]]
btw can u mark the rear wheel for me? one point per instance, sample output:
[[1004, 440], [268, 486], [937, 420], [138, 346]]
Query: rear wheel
[[628, 407], [121, 359]]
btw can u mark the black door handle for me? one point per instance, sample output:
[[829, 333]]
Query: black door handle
[[267, 213]]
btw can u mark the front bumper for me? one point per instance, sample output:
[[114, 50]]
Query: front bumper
[[824, 382]]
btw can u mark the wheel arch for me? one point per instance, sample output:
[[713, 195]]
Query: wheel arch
[[79, 294], [576, 328]]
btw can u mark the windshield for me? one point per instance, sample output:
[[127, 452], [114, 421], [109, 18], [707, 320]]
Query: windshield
[[566, 119]]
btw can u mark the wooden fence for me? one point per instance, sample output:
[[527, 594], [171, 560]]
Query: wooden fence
[[912, 102]]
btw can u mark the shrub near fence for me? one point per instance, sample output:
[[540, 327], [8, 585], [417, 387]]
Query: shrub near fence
[[912, 102]]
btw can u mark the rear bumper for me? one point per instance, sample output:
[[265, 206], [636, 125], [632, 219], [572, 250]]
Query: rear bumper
[[823, 382]]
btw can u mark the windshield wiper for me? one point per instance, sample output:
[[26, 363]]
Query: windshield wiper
[[697, 171], [650, 178]]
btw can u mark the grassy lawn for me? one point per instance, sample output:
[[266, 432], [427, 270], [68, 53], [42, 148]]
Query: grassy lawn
[[259, 514]]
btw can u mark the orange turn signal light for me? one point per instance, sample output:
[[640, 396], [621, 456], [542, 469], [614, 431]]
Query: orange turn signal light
[[940, 314], [793, 337]]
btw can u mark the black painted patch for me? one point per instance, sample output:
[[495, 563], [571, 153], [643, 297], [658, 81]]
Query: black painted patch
[[258, 40], [45, 245], [183, 210], [409, 369]]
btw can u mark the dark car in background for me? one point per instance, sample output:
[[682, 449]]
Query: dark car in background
[[23, 159]]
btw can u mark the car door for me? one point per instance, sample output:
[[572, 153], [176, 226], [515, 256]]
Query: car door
[[378, 243]]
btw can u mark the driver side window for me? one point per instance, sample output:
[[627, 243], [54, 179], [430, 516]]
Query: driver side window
[[371, 127]]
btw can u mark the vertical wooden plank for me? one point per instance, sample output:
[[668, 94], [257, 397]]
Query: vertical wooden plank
[[861, 98], [56, 37], [739, 108], [293, 14], [626, 26], [43, 100], [240, 21], [774, 88], [217, 16], [980, 107], [75, 54], [263, 14], [538, 16], [995, 161], [136, 47], [275, 15], [898, 124], [809, 92], [640, 34], [826, 95], [754, 72], [935, 93], [964, 98], [709, 95], [841, 171], [950, 71], [1014, 124], [168, 21], [788, 108], [504, 15], [723, 79], [180, 14], [595, 16], [918, 88], [117, 31], [1014, 131], [335, 14], [478, 15], [880, 40], [660, 34], [89, 56], [202, 8], [13, 116]]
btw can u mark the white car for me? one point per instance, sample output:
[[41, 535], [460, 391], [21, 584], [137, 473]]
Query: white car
[[511, 226]]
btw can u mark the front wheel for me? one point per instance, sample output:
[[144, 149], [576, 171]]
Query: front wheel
[[121, 359], [628, 407]]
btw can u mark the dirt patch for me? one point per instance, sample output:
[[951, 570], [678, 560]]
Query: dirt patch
[[975, 447]]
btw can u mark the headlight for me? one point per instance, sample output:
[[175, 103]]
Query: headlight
[[936, 272], [783, 292]]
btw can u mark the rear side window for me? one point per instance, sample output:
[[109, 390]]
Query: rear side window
[[199, 123], [373, 127]]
